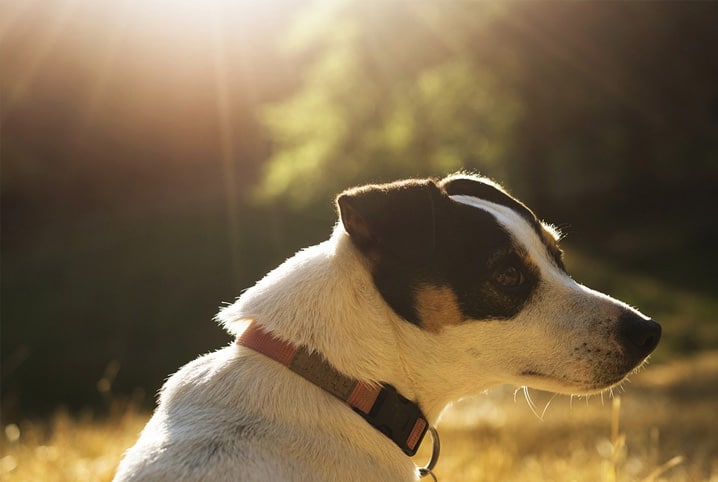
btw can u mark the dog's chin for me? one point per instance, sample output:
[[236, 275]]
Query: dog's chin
[[601, 382], [572, 387], [597, 388]]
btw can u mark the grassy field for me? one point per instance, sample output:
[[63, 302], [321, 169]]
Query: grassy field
[[664, 426]]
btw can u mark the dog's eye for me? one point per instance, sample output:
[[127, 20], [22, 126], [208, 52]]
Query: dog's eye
[[509, 277]]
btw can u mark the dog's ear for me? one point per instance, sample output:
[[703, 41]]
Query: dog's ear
[[397, 219], [486, 189], [480, 187]]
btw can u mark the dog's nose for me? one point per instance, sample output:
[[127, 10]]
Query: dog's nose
[[638, 335]]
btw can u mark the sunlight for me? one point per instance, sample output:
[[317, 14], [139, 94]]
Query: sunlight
[[186, 13], [179, 21], [183, 73], [197, 16], [166, 40]]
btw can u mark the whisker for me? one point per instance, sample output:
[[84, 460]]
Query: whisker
[[530, 402], [547, 405]]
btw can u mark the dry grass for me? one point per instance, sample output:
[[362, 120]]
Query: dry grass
[[664, 428], [76, 449]]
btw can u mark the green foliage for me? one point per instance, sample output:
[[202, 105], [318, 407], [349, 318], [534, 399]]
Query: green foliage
[[515, 90], [361, 118], [441, 121]]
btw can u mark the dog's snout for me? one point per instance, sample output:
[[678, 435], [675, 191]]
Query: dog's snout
[[638, 335]]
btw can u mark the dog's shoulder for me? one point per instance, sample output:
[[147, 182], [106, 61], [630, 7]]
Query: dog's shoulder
[[220, 417], [189, 428]]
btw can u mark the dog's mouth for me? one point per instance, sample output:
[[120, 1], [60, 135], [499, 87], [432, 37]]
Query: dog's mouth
[[592, 368]]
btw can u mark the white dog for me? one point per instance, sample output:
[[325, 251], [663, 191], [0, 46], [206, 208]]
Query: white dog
[[427, 291]]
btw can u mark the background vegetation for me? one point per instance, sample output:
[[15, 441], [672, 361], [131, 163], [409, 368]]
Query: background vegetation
[[159, 157]]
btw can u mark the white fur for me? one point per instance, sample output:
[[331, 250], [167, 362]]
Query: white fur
[[236, 415]]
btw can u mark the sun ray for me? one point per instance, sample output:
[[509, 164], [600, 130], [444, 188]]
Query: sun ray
[[116, 32], [10, 13], [41, 52], [227, 146]]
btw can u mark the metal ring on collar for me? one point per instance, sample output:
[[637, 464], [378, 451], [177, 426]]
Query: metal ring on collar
[[436, 448]]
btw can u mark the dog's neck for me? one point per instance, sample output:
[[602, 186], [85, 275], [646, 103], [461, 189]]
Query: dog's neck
[[324, 298], [381, 406]]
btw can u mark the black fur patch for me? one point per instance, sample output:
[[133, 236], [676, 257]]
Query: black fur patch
[[416, 236], [394, 220], [489, 192]]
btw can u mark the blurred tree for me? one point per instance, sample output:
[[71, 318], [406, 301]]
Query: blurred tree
[[563, 101], [376, 109]]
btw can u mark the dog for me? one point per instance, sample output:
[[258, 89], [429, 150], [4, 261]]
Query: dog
[[427, 291]]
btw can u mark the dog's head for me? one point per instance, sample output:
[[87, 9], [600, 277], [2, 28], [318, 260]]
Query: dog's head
[[462, 258]]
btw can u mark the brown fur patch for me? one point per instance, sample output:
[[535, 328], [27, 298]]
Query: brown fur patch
[[437, 306]]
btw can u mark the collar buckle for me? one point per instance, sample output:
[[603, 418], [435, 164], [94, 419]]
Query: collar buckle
[[398, 418]]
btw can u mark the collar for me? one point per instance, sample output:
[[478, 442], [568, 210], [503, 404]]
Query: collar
[[381, 406]]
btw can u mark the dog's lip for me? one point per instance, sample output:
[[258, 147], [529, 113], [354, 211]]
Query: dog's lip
[[577, 387]]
